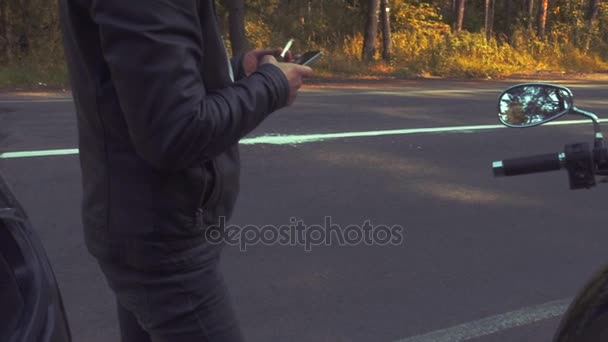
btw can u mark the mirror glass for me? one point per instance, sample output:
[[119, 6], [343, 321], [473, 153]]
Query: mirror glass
[[533, 104]]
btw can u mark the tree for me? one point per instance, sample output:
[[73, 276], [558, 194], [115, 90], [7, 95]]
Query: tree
[[386, 30], [371, 31], [594, 8], [542, 18], [459, 15], [5, 31], [489, 18], [530, 17], [592, 13], [236, 26], [508, 16]]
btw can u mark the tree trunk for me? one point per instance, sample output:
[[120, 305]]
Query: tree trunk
[[452, 13], [2, 31], [385, 18], [492, 16], [594, 8], [508, 9], [25, 34], [542, 18], [236, 26], [530, 14], [371, 31], [6, 38], [459, 16], [489, 18]]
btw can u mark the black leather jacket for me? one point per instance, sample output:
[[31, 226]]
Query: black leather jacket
[[159, 120]]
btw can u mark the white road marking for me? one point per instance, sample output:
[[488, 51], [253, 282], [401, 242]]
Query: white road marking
[[297, 139], [494, 324]]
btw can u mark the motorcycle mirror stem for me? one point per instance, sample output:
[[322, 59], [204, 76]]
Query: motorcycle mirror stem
[[593, 117], [600, 151]]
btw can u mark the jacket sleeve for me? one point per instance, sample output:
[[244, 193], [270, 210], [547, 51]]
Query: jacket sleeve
[[153, 49]]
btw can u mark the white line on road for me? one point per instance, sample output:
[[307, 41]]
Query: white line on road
[[494, 324], [309, 138], [297, 139]]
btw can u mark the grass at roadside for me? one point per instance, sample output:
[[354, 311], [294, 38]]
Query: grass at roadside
[[30, 75]]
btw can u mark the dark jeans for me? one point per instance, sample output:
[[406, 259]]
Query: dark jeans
[[182, 305]]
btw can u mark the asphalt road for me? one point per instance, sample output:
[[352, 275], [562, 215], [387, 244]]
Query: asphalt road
[[476, 249]]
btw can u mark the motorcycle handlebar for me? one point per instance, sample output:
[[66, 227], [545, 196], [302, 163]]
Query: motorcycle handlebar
[[525, 165]]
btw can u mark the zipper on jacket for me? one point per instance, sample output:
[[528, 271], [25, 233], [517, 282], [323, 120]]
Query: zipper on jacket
[[208, 195], [217, 189], [205, 191]]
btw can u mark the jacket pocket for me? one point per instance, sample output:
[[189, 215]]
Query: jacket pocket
[[210, 193], [209, 188], [214, 197]]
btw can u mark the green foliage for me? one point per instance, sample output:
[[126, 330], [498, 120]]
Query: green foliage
[[313, 23], [424, 44], [31, 50], [32, 74], [417, 17]]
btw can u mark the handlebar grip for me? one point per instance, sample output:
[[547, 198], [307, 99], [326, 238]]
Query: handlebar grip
[[525, 165]]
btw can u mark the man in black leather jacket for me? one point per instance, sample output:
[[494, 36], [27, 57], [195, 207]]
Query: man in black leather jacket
[[159, 121]]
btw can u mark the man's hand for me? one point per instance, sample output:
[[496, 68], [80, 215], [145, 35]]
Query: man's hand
[[295, 74], [253, 59]]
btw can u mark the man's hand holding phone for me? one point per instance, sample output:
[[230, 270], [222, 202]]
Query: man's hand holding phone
[[307, 58], [295, 74], [253, 59], [294, 68]]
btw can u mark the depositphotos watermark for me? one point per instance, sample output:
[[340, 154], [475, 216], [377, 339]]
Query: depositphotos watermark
[[299, 234]]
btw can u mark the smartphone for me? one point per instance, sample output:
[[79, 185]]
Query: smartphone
[[309, 57]]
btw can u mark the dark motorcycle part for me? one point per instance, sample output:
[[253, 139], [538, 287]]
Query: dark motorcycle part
[[600, 156], [31, 308], [586, 320], [580, 166]]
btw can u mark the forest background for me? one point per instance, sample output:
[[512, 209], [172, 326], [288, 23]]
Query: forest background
[[361, 38]]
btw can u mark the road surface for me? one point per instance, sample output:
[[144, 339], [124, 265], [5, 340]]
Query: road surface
[[481, 259]]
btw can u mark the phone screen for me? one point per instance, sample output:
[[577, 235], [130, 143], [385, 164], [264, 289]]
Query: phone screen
[[309, 57]]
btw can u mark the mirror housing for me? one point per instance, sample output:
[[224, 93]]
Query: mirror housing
[[533, 104]]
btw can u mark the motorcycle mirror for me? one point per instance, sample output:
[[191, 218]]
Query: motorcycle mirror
[[532, 104]]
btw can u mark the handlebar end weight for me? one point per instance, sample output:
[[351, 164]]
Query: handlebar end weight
[[498, 168]]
